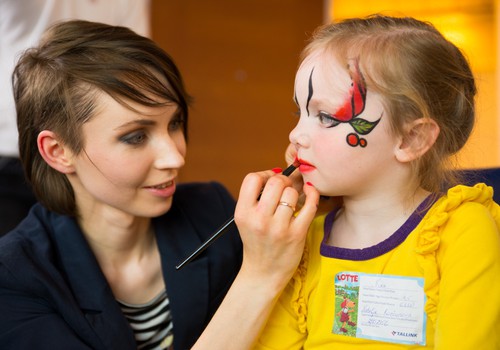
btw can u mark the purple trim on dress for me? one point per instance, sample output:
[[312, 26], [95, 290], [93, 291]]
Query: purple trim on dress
[[381, 248]]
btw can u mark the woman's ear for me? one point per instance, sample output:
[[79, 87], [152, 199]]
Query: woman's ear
[[419, 137], [54, 152]]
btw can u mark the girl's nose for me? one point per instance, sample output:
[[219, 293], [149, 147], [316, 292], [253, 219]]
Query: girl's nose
[[298, 136]]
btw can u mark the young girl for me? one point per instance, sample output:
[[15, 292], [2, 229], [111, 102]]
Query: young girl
[[102, 118], [408, 260]]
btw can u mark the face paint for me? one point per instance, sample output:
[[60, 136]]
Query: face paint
[[354, 106], [327, 144], [311, 90]]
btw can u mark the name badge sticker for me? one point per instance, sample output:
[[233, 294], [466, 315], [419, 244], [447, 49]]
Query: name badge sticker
[[380, 307]]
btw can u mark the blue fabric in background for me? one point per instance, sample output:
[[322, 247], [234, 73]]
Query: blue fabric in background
[[490, 176]]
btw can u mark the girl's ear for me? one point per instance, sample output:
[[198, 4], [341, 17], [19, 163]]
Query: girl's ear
[[55, 153], [419, 137]]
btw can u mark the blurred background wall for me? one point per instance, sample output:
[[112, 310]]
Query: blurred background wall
[[238, 59]]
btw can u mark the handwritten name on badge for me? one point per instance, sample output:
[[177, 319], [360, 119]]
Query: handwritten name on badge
[[380, 307]]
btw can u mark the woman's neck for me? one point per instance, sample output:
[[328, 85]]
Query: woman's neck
[[127, 252]]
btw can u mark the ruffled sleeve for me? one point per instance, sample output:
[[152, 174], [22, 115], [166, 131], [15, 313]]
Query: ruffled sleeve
[[429, 238], [298, 301]]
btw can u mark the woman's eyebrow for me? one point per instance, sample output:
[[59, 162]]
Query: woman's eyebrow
[[140, 122]]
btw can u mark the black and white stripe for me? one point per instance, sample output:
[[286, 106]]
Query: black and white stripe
[[151, 323]]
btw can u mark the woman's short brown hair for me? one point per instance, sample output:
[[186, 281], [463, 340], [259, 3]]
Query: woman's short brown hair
[[56, 85]]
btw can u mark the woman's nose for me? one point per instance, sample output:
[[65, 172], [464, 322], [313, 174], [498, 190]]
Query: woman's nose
[[170, 153]]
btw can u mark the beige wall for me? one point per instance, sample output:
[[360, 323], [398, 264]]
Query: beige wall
[[238, 59]]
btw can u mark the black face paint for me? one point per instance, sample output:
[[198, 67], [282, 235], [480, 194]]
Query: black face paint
[[309, 96]]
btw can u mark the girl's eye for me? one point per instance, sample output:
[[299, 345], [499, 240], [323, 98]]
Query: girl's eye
[[134, 138], [327, 120]]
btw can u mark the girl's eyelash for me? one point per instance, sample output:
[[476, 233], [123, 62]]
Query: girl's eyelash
[[327, 119]]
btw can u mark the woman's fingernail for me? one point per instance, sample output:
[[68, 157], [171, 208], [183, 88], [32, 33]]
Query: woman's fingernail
[[309, 184], [277, 170]]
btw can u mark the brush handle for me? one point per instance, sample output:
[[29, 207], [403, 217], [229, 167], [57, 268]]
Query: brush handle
[[222, 229], [208, 242]]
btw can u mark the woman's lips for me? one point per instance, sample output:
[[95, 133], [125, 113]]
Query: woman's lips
[[165, 189]]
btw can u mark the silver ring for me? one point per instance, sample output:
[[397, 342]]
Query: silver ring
[[286, 204]]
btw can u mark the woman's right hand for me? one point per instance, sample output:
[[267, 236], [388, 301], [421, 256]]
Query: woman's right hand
[[273, 242], [273, 234]]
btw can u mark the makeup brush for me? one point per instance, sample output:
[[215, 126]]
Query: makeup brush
[[287, 172]]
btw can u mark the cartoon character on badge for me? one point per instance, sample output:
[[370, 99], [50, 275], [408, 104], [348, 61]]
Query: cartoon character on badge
[[347, 307]]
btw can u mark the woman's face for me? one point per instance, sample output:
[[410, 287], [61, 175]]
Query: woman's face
[[343, 137], [130, 159]]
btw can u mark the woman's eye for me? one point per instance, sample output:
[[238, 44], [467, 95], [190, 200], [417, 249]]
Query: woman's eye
[[327, 120], [177, 123], [134, 138]]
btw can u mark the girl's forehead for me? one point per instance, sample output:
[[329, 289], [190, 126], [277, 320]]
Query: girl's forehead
[[322, 70], [314, 60]]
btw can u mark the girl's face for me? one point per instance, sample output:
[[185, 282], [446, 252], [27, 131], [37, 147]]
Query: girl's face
[[343, 138], [130, 159]]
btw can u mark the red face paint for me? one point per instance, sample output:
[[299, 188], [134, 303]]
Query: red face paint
[[353, 107], [355, 104]]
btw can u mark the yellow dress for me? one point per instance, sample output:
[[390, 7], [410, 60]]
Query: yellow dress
[[434, 284]]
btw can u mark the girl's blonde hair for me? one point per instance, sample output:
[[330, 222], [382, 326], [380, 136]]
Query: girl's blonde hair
[[418, 73]]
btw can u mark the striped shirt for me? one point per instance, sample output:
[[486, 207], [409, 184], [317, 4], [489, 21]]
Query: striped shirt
[[151, 323]]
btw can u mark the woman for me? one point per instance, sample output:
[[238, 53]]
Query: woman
[[102, 119]]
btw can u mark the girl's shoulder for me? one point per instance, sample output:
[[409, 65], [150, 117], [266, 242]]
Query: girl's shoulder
[[462, 205], [458, 240], [466, 216], [462, 211]]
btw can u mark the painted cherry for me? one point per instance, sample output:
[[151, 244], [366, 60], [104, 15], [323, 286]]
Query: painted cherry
[[352, 139]]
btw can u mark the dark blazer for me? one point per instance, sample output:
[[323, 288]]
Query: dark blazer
[[53, 294]]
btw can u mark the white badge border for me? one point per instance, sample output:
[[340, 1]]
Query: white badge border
[[420, 283]]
